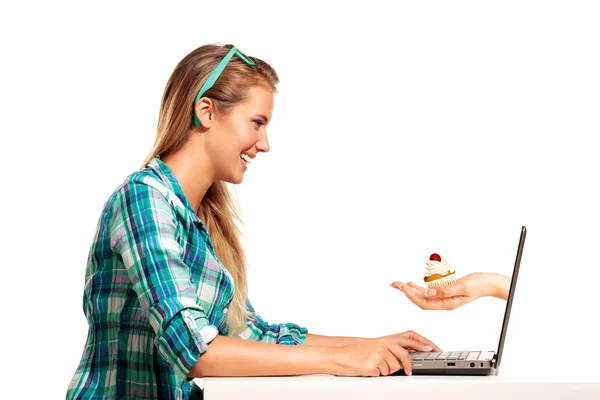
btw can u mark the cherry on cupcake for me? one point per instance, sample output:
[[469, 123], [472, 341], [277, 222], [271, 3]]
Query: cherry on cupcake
[[435, 257]]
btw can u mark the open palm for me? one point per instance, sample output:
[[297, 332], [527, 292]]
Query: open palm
[[465, 290]]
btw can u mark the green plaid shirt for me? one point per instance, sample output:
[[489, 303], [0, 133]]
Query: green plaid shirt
[[155, 295]]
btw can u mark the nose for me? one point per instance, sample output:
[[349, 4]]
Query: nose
[[263, 143]]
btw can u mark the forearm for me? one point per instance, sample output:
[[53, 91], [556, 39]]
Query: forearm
[[501, 286], [227, 356], [321, 340]]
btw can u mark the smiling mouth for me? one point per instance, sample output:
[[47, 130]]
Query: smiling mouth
[[246, 158]]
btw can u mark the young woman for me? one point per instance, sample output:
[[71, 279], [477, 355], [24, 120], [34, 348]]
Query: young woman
[[166, 286]]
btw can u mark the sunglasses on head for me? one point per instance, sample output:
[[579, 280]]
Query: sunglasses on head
[[214, 75]]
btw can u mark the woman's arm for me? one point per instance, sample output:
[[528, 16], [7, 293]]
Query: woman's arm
[[143, 228], [229, 356], [258, 330], [320, 340], [417, 341]]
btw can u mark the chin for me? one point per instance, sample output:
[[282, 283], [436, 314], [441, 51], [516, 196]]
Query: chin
[[235, 180], [233, 176]]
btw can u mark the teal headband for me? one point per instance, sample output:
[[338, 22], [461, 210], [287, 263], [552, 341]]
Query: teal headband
[[214, 75]]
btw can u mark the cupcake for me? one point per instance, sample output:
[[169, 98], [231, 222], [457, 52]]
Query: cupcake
[[438, 272]]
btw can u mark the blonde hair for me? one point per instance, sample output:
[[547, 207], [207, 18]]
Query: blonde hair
[[218, 208]]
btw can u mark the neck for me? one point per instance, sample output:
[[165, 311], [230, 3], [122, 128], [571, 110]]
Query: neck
[[192, 170]]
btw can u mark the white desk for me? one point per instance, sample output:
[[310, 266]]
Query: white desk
[[314, 387]]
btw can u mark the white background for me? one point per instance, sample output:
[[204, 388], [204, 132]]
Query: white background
[[398, 131]]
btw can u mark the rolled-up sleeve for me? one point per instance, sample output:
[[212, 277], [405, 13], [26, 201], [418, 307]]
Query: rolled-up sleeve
[[143, 231], [259, 330]]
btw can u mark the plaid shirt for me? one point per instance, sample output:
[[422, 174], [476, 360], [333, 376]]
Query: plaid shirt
[[155, 295]]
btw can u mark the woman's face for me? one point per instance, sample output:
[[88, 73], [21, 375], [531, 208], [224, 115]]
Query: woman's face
[[240, 135]]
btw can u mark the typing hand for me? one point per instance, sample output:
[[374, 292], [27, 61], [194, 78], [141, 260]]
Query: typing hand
[[418, 342], [374, 357]]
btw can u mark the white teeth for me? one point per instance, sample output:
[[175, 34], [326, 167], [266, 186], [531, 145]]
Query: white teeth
[[246, 158]]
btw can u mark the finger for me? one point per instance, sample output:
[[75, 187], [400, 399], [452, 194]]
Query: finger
[[415, 286], [415, 344], [410, 292], [416, 336], [392, 362], [433, 303], [416, 297], [382, 366], [402, 356], [397, 284], [446, 291]]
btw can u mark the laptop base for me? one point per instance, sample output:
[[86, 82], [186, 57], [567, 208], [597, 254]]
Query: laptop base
[[452, 372]]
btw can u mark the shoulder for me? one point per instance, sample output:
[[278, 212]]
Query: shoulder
[[142, 190]]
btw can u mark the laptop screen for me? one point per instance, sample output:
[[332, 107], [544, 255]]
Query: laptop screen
[[511, 293]]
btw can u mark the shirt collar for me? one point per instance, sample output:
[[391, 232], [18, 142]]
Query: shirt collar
[[168, 178]]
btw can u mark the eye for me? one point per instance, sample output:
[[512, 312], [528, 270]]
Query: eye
[[258, 123]]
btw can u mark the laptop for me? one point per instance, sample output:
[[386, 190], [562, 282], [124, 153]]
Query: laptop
[[469, 362]]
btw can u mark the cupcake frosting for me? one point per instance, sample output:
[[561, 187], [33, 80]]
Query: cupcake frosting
[[437, 267]]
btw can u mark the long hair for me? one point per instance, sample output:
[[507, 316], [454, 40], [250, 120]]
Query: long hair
[[218, 210]]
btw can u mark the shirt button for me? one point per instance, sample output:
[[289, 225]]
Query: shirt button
[[225, 310]]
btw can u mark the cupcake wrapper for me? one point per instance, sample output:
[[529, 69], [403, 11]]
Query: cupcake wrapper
[[445, 281]]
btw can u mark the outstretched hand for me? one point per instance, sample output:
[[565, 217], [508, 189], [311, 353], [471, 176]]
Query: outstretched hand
[[464, 291]]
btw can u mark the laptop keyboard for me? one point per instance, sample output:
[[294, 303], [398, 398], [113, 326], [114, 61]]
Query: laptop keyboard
[[446, 355]]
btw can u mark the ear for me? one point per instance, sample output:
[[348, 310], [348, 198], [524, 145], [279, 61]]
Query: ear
[[205, 112]]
